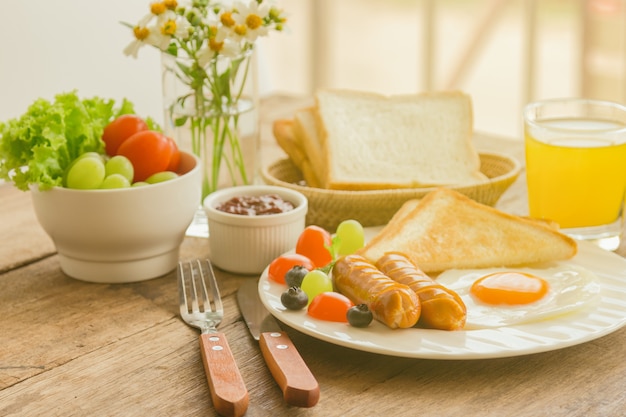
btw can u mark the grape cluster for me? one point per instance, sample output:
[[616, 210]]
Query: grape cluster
[[92, 171]]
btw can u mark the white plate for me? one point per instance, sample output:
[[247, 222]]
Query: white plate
[[578, 327]]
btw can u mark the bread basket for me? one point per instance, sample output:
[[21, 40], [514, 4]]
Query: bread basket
[[327, 208]]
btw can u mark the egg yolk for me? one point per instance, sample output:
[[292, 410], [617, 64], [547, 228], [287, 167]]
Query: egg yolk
[[511, 288]]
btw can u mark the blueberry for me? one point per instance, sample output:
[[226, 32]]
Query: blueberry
[[359, 316], [294, 298], [294, 277]]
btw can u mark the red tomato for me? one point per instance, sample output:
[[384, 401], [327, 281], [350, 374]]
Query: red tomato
[[281, 265], [330, 306], [175, 160], [120, 129], [314, 243], [149, 152]]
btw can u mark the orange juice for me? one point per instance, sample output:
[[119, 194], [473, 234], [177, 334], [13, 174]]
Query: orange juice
[[577, 180]]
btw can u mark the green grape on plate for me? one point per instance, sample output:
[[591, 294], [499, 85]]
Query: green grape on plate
[[316, 282], [350, 237]]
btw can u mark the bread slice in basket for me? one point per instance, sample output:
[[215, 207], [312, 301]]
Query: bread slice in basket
[[372, 142], [284, 132], [446, 230]]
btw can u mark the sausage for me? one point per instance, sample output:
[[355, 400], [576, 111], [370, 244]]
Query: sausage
[[391, 303], [442, 308]]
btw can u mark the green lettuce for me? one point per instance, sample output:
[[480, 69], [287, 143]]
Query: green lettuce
[[36, 148]]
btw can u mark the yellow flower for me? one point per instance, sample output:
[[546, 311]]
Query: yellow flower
[[227, 19], [158, 8], [141, 33], [214, 45], [170, 4]]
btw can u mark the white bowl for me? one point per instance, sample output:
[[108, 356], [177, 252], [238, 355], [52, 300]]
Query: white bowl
[[247, 244], [121, 235]]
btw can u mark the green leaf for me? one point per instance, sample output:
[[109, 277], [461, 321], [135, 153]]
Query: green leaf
[[180, 121]]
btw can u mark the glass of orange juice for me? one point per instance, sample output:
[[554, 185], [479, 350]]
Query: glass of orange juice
[[576, 166]]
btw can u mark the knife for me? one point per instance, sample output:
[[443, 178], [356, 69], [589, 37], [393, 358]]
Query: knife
[[299, 386]]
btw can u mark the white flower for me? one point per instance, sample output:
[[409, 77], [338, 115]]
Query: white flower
[[249, 20], [231, 49], [145, 21], [205, 30], [215, 47], [170, 26], [143, 36]]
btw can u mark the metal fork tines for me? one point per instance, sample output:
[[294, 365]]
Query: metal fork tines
[[201, 307]]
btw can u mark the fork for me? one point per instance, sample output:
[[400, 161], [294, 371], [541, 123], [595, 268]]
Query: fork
[[203, 309]]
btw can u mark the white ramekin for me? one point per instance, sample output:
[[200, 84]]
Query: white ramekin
[[247, 244]]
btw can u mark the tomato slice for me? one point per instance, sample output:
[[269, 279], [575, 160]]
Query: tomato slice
[[330, 306], [280, 266], [149, 152], [120, 129], [313, 243]]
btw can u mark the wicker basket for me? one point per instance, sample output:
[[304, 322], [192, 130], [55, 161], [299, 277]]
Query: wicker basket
[[327, 208]]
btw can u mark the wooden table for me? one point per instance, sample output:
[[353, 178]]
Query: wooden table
[[70, 348]]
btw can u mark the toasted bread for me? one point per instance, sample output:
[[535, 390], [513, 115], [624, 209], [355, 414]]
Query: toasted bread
[[375, 142], [288, 141], [305, 130], [446, 230]]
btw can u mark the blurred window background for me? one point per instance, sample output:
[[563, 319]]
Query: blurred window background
[[502, 52]]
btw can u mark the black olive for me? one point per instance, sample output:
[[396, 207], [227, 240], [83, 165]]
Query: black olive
[[359, 315], [294, 298], [294, 277]]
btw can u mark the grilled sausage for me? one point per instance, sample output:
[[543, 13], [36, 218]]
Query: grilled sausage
[[391, 303], [442, 308]]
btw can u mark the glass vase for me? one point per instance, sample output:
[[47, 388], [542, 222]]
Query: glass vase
[[211, 110]]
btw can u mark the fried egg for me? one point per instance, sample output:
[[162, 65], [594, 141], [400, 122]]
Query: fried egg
[[502, 297]]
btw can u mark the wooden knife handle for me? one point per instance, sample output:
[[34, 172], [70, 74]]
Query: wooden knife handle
[[299, 386], [228, 391]]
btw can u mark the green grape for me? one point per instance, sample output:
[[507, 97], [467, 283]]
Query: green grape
[[86, 173], [316, 282], [78, 158], [350, 237], [139, 184], [115, 181], [90, 155], [119, 164], [161, 176]]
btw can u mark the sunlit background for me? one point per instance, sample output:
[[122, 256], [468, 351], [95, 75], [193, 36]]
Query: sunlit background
[[502, 52]]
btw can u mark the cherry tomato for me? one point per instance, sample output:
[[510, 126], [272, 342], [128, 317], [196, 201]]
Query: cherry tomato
[[149, 152], [314, 243], [330, 306], [281, 265], [175, 160], [120, 129]]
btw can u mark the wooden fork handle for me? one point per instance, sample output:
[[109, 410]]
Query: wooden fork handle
[[299, 386], [228, 391]]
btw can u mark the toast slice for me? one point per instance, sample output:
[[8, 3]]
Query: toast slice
[[446, 230], [372, 141], [305, 130], [288, 141]]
